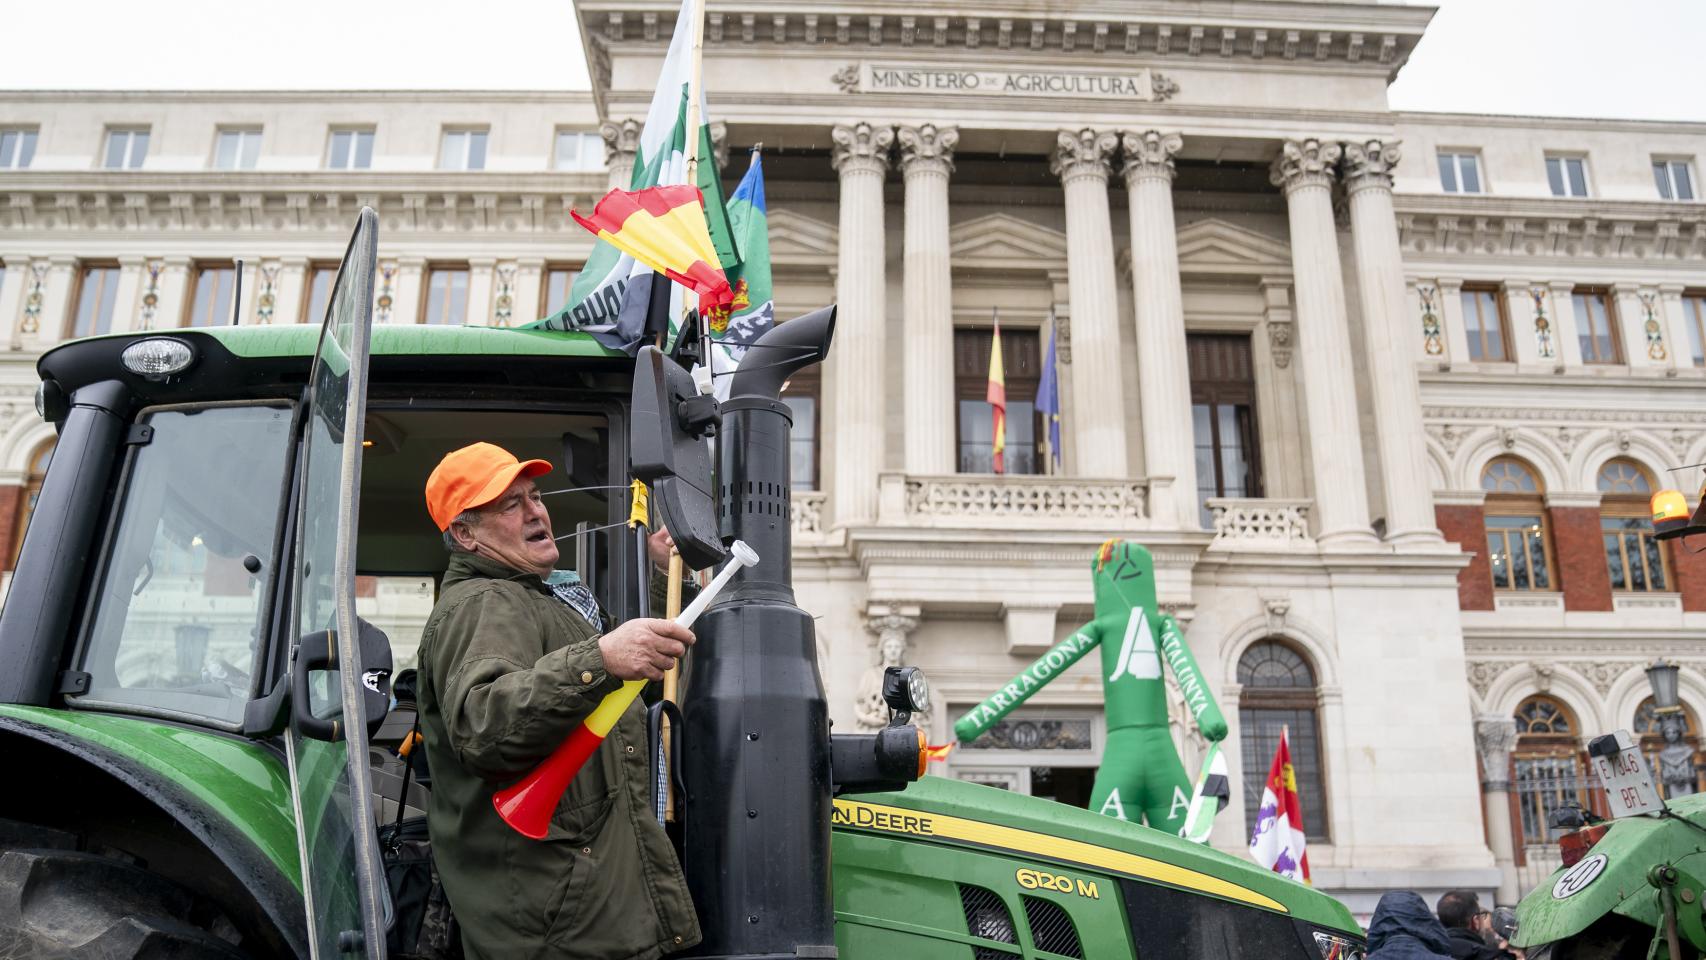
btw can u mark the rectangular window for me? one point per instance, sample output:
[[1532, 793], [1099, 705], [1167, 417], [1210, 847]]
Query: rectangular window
[[1594, 326], [554, 293], [1516, 547], [237, 149], [1484, 321], [1673, 179], [447, 295], [1694, 316], [17, 147], [1460, 172], [800, 393], [1022, 369], [1568, 176], [95, 300], [213, 289], [1634, 559], [1223, 418], [578, 150], [349, 150], [463, 150], [126, 149], [320, 277]]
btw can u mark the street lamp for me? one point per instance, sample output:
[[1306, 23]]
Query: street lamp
[[1663, 678]]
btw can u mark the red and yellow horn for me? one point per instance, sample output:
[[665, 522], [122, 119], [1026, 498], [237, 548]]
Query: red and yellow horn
[[528, 804]]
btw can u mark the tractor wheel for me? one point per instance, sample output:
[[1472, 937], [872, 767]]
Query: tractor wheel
[[82, 906]]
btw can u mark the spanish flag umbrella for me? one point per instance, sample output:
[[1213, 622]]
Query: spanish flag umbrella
[[665, 229]]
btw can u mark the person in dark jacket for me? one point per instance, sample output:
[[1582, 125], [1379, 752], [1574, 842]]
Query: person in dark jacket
[[514, 656], [1467, 926], [1404, 929]]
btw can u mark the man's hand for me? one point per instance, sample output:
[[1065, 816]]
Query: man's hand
[[644, 649], [659, 545]]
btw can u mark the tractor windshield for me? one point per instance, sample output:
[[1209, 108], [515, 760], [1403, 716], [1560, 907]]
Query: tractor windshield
[[181, 599]]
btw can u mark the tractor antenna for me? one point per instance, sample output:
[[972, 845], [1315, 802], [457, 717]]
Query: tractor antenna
[[237, 294]]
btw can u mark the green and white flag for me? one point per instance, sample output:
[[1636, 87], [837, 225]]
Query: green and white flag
[[1213, 790], [754, 309], [610, 298]]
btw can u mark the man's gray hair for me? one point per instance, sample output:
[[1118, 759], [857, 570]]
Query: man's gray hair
[[470, 518]]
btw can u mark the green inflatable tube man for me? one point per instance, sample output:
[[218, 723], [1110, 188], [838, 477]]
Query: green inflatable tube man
[[1141, 778]]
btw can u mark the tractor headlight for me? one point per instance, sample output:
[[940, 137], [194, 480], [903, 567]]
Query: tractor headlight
[[905, 690], [1337, 948], [157, 358]]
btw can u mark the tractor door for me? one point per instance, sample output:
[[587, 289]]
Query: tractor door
[[326, 744]]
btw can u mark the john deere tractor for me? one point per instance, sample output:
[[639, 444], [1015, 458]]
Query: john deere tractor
[[194, 720]]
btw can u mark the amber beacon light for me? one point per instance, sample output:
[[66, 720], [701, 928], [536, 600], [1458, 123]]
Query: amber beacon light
[[1670, 515], [528, 804]]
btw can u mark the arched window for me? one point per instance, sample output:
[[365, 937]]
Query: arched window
[[1648, 728], [32, 492], [1633, 558], [1279, 693], [1518, 538], [1548, 772]]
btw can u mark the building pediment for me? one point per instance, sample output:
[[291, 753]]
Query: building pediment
[[798, 239], [1216, 246], [1002, 241]]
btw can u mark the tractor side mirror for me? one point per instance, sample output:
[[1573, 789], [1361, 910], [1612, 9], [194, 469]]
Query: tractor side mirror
[[318, 652], [669, 422]]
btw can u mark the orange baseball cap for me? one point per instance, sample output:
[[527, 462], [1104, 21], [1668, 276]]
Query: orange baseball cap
[[473, 477]]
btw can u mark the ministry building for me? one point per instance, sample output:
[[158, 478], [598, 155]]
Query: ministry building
[[1384, 393]]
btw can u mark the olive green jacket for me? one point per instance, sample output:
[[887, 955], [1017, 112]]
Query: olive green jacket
[[506, 672]]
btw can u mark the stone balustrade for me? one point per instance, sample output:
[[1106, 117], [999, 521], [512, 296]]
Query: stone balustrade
[[1014, 502], [1260, 524]]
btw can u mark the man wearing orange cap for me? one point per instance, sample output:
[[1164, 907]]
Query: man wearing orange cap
[[513, 658]]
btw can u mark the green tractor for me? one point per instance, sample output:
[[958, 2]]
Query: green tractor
[[201, 733]]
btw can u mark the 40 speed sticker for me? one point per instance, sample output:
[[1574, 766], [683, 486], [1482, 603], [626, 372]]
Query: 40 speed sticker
[[1579, 876]]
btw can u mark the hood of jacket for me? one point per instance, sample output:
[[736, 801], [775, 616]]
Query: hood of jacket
[[1404, 914]]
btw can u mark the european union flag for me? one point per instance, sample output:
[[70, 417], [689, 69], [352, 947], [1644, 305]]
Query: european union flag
[[1048, 404]]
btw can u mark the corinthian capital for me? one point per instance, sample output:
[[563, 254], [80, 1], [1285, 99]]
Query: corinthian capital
[[621, 139], [861, 145], [1370, 163], [1085, 153], [927, 147], [1304, 163], [1149, 154], [1495, 738]]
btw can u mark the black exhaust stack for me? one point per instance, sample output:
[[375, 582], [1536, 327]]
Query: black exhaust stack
[[756, 753]]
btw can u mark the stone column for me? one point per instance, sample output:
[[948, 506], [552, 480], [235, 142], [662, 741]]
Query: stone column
[[1566, 326], [621, 144], [1305, 170], [1495, 737], [174, 295], [1081, 160], [861, 159], [926, 160], [1672, 314], [251, 294], [1163, 369], [529, 276], [18, 279], [480, 271], [1449, 302], [128, 294], [1391, 368], [290, 289], [408, 293], [1630, 321], [1282, 430]]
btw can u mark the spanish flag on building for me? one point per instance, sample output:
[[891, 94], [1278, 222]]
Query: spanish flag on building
[[997, 397]]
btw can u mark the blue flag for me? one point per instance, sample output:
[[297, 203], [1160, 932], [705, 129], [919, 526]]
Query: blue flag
[[1048, 403]]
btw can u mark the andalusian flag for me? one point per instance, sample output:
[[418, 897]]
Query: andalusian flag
[[997, 397], [753, 311], [1278, 840], [611, 295], [664, 229]]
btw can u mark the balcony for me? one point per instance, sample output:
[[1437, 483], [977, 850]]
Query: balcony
[[1261, 525], [979, 501]]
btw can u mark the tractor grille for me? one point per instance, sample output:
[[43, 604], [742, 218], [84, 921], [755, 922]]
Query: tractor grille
[[987, 917], [1051, 928]]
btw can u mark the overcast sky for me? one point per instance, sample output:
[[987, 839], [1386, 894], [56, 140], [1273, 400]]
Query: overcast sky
[[1579, 58]]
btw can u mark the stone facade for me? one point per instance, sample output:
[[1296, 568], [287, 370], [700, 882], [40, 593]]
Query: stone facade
[[925, 171]]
